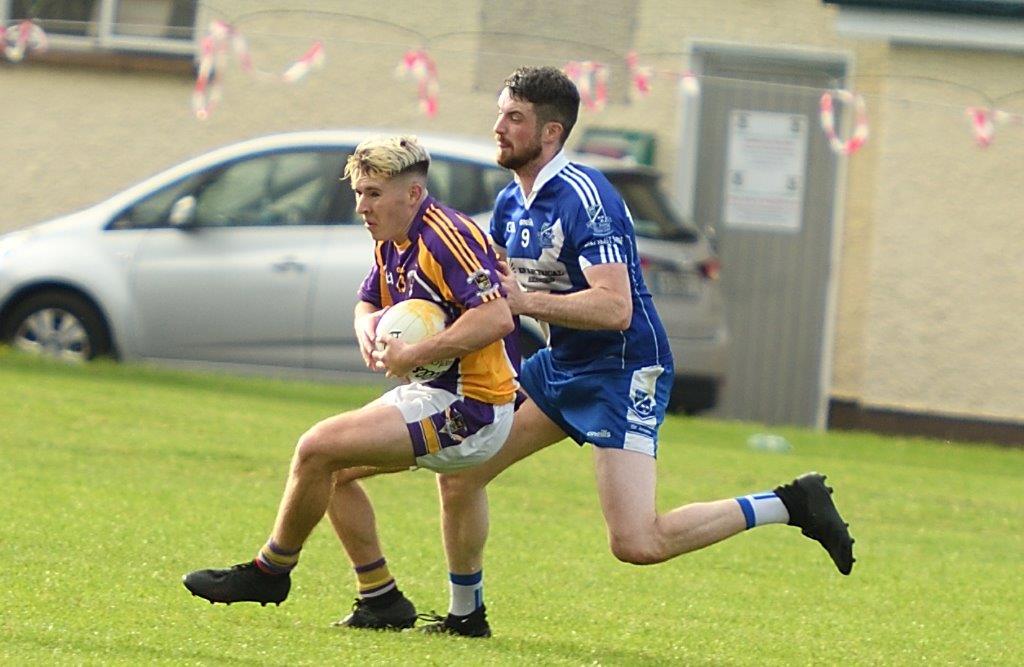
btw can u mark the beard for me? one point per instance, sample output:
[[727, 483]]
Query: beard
[[521, 158]]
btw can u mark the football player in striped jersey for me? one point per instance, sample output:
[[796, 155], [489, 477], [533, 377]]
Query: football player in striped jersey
[[423, 250], [606, 375]]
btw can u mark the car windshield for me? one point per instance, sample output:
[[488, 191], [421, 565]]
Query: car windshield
[[654, 216]]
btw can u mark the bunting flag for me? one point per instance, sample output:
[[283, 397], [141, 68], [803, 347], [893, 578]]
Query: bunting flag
[[419, 64], [984, 121], [223, 38], [640, 76], [591, 79], [313, 58], [983, 124], [21, 39], [860, 121], [206, 92]]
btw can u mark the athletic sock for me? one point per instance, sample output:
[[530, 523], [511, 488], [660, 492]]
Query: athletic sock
[[375, 583], [467, 593], [272, 559], [763, 508]]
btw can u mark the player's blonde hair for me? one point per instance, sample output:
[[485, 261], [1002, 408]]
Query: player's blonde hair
[[386, 157]]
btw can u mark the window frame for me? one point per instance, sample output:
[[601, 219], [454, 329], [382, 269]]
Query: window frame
[[202, 177], [107, 40]]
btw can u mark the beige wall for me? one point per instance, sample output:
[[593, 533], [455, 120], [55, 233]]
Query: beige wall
[[930, 297], [945, 305]]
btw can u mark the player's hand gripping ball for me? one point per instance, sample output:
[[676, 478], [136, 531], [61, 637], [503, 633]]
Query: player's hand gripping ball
[[413, 320]]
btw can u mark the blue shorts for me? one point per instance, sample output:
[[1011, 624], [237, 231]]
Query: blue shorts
[[616, 408]]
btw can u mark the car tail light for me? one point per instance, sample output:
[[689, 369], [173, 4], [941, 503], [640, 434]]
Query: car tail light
[[645, 262], [711, 268]]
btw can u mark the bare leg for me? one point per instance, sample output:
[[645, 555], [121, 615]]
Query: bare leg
[[464, 497], [351, 514], [636, 532], [375, 436]]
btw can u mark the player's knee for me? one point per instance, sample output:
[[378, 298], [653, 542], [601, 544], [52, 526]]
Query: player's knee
[[634, 550], [455, 488], [312, 448]]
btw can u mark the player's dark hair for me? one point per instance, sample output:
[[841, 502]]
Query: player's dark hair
[[552, 93]]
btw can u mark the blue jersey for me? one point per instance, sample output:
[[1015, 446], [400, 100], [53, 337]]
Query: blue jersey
[[573, 220]]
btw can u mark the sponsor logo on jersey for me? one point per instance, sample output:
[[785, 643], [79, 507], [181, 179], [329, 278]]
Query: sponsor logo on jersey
[[547, 233], [643, 402], [481, 279], [599, 223], [454, 424], [538, 276], [642, 399], [608, 240]]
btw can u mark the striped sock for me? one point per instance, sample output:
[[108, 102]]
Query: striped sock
[[272, 559], [763, 508], [467, 593], [374, 579]]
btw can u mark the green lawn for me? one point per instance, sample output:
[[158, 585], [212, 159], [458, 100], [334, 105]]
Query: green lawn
[[119, 479]]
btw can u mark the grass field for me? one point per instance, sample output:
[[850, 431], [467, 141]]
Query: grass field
[[119, 479]]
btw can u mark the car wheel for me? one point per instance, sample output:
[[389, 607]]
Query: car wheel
[[57, 324]]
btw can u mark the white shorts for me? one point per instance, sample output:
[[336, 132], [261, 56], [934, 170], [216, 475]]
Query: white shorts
[[448, 432]]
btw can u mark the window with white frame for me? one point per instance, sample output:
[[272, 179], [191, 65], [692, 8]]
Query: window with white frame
[[162, 27]]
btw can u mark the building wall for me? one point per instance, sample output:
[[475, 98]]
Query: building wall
[[945, 305], [929, 294]]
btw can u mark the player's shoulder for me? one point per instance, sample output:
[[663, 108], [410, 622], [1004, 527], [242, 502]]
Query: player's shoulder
[[444, 226], [586, 178], [582, 186]]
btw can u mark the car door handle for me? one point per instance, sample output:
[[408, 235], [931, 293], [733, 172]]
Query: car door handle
[[288, 264]]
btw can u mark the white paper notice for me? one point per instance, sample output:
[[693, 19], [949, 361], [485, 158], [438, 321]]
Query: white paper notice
[[764, 177]]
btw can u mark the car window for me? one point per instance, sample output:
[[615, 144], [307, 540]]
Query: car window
[[494, 181], [456, 183], [277, 189], [293, 188], [654, 216], [154, 209]]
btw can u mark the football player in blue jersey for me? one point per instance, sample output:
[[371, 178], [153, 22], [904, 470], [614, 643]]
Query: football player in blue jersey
[[424, 250], [606, 375]]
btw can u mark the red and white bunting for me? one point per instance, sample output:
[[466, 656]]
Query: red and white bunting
[[591, 79], [983, 124], [206, 92], [223, 37], [984, 121], [640, 76], [419, 64], [860, 121], [23, 38], [313, 58]]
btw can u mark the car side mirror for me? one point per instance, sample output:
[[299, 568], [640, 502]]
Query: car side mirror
[[183, 212]]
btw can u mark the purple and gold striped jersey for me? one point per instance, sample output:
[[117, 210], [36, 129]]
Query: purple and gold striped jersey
[[450, 261]]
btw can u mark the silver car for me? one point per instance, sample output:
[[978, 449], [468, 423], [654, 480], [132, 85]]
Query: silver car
[[251, 255]]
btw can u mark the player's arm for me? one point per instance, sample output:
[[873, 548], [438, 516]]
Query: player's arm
[[476, 328], [605, 305], [365, 320]]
